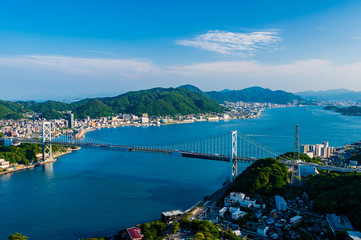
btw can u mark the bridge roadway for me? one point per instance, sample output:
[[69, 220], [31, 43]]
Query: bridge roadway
[[125, 148], [188, 154]]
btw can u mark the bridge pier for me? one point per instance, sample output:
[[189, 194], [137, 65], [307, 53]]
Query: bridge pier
[[233, 160], [47, 149]]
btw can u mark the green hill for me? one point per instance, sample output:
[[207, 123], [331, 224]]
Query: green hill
[[334, 193], [162, 101], [94, 109], [51, 105], [350, 111], [221, 97], [194, 89], [51, 114], [183, 100], [264, 176], [255, 94], [11, 110]]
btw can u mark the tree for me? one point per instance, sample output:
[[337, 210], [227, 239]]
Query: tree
[[175, 227], [198, 236], [264, 176], [231, 236], [17, 236]]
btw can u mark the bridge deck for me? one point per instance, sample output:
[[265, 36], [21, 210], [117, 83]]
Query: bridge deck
[[125, 148]]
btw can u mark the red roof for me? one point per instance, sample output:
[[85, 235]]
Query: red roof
[[134, 233]]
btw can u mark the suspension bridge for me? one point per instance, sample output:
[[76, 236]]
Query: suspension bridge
[[231, 147]]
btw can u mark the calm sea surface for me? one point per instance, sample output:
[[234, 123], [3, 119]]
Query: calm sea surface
[[96, 193]]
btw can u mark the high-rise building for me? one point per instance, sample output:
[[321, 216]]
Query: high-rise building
[[144, 118], [318, 150], [71, 120]]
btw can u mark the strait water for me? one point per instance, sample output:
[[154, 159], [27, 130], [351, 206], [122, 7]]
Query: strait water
[[96, 193]]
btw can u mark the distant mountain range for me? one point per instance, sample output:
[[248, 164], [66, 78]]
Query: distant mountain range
[[186, 99], [254, 94], [331, 95]]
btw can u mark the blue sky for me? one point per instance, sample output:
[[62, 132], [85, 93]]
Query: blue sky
[[75, 49]]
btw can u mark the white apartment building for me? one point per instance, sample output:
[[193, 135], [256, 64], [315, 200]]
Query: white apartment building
[[318, 150], [281, 203], [234, 198], [4, 164]]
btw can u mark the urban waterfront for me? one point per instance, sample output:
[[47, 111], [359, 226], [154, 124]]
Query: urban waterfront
[[92, 192]]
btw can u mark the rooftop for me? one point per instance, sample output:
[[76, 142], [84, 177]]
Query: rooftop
[[171, 213], [338, 222], [134, 233], [355, 235]]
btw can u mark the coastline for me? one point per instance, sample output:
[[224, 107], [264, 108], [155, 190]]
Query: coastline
[[85, 131], [22, 167], [195, 202]]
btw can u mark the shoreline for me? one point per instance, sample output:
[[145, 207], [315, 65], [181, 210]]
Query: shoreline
[[163, 124], [188, 121], [25, 167]]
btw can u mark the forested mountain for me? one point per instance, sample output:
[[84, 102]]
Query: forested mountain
[[332, 95], [255, 94], [157, 101], [334, 193], [265, 176], [93, 108], [11, 110], [350, 111], [162, 101], [186, 99], [51, 105]]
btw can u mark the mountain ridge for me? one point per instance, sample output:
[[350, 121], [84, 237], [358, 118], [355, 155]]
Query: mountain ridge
[[255, 94], [341, 94], [183, 100]]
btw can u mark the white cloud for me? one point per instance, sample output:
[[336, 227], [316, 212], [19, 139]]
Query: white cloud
[[317, 74], [82, 66], [232, 42], [60, 75]]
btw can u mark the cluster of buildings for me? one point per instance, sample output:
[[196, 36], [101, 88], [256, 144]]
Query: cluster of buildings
[[251, 109], [32, 127], [318, 150], [4, 164], [268, 222]]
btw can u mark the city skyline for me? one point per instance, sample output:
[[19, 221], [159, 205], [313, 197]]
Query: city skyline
[[88, 48]]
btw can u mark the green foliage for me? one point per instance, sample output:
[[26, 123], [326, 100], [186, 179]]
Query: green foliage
[[94, 109], [356, 157], [303, 157], [194, 89], [51, 105], [162, 102], [23, 154], [17, 236], [337, 193], [157, 102], [229, 235], [52, 114], [255, 94], [153, 230], [175, 227], [351, 111], [264, 176], [10, 110], [203, 229], [1, 134]]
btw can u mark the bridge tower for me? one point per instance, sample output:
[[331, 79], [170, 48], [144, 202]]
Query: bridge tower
[[47, 150], [296, 175], [296, 151], [234, 162]]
